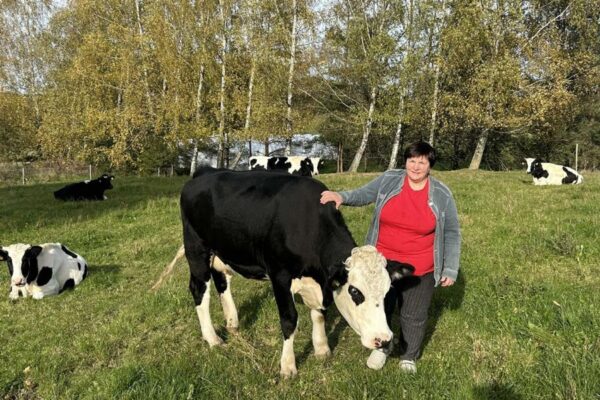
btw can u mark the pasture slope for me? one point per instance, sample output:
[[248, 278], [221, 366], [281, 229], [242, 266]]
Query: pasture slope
[[522, 322]]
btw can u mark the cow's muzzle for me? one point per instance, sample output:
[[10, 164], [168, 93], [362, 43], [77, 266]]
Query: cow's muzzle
[[379, 343]]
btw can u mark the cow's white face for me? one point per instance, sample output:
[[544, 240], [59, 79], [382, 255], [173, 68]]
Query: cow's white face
[[317, 165], [529, 162], [360, 299], [13, 255]]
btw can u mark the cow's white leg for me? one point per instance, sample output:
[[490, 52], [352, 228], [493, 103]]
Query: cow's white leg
[[206, 326], [229, 309], [49, 289], [288, 358], [319, 337], [14, 293]]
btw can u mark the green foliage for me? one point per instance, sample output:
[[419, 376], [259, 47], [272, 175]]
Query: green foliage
[[520, 323], [110, 82]]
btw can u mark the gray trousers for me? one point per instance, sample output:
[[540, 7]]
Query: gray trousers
[[413, 296]]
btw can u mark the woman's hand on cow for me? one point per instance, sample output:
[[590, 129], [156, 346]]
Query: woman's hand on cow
[[328, 196], [445, 281]]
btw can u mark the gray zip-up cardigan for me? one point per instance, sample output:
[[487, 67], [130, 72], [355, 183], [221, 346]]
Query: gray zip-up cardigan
[[446, 246]]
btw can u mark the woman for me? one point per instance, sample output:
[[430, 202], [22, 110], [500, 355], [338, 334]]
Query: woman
[[415, 222]]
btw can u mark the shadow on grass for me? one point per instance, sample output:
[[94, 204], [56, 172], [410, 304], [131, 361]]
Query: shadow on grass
[[103, 276], [495, 391], [249, 309], [448, 298]]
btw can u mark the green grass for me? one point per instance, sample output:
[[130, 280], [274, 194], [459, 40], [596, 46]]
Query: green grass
[[522, 322]]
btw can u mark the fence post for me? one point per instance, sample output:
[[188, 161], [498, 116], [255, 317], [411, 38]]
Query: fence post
[[576, 154], [158, 171], [171, 170], [23, 175], [90, 168]]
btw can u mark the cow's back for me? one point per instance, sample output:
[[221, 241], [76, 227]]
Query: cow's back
[[260, 218]]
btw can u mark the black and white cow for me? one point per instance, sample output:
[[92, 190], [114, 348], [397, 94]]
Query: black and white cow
[[551, 174], [272, 226], [295, 165], [86, 190], [43, 270]]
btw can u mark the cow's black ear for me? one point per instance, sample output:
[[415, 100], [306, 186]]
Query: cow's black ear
[[398, 270], [338, 276], [3, 254], [29, 265], [32, 252]]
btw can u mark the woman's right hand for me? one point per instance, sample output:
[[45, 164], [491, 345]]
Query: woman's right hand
[[328, 196]]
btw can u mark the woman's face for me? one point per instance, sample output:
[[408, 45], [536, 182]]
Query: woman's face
[[417, 168]]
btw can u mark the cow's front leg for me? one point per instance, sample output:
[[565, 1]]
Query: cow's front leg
[[49, 289], [319, 337], [14, 292], [288, 317]]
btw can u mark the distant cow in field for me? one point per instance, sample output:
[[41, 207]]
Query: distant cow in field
[[272, 226], [551, 174], [43, 270], [295, 165], [86, 190]]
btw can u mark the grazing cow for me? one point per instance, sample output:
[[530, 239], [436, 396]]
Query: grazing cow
[[551, 174], [272, 226], [43, 270], [295, 165], [86, 190]]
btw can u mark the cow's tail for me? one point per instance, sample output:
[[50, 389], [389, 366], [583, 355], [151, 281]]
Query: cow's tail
[[169, 269]]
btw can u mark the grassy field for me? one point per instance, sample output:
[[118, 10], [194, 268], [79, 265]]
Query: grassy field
[[522, 322]]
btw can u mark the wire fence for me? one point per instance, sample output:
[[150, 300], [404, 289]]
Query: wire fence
[[30, 173]]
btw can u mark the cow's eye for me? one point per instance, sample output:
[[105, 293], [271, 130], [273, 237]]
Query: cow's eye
[[356, 295]]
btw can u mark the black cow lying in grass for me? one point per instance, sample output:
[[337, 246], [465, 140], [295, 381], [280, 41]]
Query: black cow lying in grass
[[43, 270], [86, 190]]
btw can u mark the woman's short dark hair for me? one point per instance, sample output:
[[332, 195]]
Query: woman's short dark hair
[[418, 149]]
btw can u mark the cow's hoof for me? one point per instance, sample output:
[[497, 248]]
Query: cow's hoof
[[13, 296], [289, 372], [215, 342], [322, 354], [38, 296]]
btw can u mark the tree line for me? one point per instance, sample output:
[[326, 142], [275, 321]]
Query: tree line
[[135, 84]]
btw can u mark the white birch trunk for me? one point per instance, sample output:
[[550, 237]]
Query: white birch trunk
[[288, 119], [365, 139], [249, 106], [194, 163], [482, 141], [222, 134], [340, 163], [144, 68], [478, 154], [397, 136], [434, 105], [436, 82]]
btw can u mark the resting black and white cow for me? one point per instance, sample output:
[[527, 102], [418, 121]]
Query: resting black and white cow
[[551, 174], [265, 225], [86, 190], [43, 270], [295, 165]]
